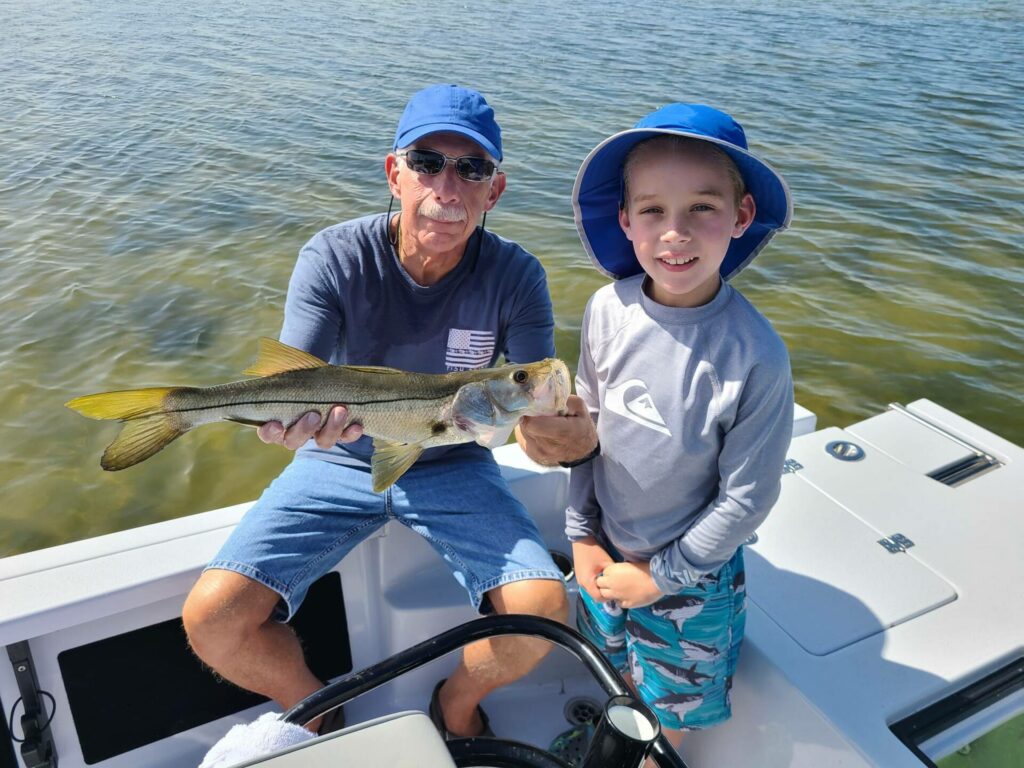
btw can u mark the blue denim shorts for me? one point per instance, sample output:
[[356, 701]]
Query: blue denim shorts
[[682, 650], [315, 512]]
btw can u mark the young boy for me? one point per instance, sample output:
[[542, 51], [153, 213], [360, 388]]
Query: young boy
[[691, 391]]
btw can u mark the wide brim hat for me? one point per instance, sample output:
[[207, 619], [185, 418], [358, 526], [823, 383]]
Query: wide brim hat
[[597, 193]]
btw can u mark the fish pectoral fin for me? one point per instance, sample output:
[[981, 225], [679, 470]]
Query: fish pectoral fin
[[247, 422], [493, 436], [277, 357], [139, 439], [390, 461]]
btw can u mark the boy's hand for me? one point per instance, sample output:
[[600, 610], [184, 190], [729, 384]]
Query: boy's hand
[[551, 439], [295, 436], [588, 560], [629, 584]]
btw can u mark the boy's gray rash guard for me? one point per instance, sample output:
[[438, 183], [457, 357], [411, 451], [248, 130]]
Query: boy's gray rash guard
[[350, 301], [694, 411]]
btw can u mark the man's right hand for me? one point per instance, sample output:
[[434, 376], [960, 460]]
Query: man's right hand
[[333, 431], [548, 440]]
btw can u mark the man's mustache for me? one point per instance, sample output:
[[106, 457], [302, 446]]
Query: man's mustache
[[438, 212]]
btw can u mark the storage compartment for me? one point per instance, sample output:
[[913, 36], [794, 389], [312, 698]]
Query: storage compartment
[[142, 686], [924, 447], [821, 574]]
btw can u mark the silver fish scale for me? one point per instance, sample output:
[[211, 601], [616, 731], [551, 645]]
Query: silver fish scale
[[414, 410], [408, 416], [401, 407]]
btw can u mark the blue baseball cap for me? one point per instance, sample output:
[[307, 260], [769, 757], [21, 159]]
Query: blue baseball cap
[[598, 188], [452, 109]]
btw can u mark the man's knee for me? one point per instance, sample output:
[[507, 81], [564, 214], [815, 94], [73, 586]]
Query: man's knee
[[222, 608], [536, 597]]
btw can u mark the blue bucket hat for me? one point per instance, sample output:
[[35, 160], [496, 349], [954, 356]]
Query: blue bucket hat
[[452, 109], [598, 188]]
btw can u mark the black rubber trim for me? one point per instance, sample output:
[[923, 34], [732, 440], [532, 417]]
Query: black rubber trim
[[921, 726]]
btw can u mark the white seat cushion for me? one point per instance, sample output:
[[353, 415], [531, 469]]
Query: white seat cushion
[[401, 740]]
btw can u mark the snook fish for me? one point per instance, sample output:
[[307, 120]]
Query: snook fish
[[403, 412]]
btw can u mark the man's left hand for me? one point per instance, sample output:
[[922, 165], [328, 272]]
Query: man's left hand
[[629, 584], [551, 439]]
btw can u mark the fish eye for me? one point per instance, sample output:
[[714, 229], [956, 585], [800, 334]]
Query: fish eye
[[520, 376]]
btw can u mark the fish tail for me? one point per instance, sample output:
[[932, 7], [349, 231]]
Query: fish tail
[[150, 425], [124, 405]]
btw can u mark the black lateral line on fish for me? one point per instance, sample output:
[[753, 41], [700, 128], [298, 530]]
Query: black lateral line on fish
[[303, 401]]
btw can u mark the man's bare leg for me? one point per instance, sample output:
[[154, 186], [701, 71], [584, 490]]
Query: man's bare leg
[[490, 664], [227, 620]]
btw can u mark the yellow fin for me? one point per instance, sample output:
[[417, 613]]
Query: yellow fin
[[140, 439], [390, 461], [275, 357], [127, 404]]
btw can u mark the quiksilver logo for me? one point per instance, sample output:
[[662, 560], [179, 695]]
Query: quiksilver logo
[[632, 400]]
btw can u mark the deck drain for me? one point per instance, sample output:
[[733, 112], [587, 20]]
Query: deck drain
[[582, 709]]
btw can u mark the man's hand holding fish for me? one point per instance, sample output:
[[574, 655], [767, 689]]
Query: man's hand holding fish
[[335, 429]]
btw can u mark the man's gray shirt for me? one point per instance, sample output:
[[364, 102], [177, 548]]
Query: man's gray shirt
[[694, 411]]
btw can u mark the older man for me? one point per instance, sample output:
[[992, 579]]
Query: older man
[[425, 290]]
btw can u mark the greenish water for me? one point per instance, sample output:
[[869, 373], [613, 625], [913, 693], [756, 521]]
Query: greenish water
[[1002, 747], [163, 163]]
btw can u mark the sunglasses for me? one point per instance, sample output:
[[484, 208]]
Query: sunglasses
[[431, 162]]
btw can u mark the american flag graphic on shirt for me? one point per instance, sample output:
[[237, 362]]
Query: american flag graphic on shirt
[[468, 349]]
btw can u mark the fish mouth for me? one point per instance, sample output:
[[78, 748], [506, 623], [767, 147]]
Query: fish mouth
[[551, 392]]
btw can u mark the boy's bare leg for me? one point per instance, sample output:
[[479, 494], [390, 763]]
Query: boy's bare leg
[[227, 620], [490, 664]]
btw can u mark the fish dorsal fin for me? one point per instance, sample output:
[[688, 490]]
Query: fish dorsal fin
[[390, 461], [275, 357]]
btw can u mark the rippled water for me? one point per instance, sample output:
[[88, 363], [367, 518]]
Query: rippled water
[[162, 164]]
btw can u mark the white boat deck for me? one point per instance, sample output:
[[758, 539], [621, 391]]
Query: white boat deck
[[844, 637], [864, 637]]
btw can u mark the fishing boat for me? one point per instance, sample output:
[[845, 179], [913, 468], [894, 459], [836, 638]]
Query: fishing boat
[[885, 626]]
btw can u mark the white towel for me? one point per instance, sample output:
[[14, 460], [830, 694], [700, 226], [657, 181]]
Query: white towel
[[247, 741]]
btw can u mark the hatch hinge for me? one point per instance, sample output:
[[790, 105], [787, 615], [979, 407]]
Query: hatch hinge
[[791, 466], [896, 543], [37, 749]]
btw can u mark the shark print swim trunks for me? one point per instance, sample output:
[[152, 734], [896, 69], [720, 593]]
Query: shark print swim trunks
[[680, 651]]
